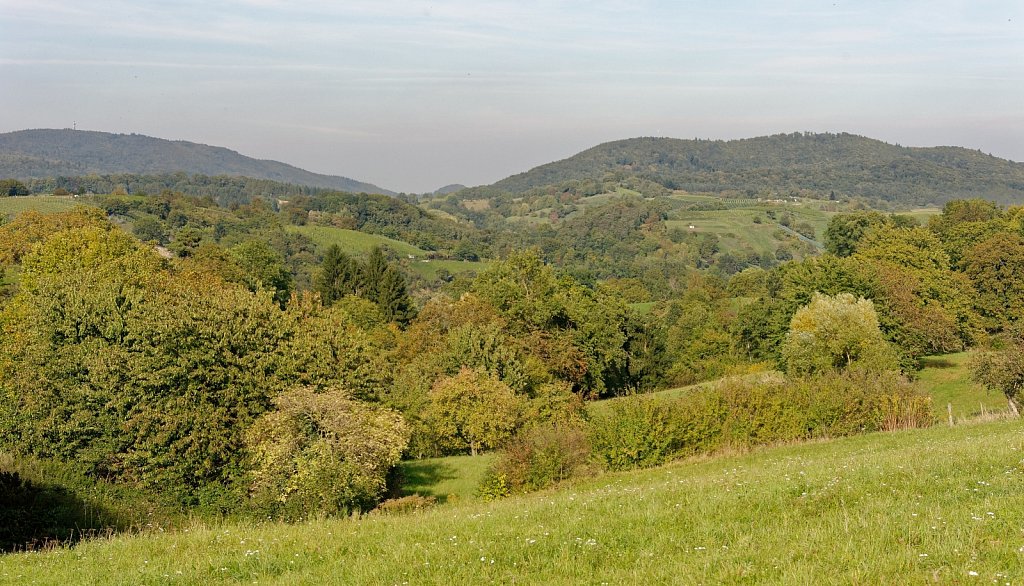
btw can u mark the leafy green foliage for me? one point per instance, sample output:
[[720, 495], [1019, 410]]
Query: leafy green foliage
[[1003, 370], [835, 333], [322, 453], [473, 410], [68, 153], [376, 280], [996, 269], [585, 336], [263, 268], [152, 376], [12, 187], [633, 432], [846, 230], [822, 164], [538, 457]]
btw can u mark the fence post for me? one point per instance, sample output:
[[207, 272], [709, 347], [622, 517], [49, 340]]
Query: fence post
[[949, 410]]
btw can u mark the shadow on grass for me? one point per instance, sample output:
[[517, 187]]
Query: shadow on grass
[[41, 515], [937, 362], [421, 476]]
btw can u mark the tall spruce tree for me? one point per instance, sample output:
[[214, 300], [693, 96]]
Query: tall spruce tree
[[339, 275], [376, 280], [385, 286], [393, 298]]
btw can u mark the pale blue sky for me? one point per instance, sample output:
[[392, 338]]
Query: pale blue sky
[[415, 95]]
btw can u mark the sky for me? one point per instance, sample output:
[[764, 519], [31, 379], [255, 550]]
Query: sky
[[415, 95]]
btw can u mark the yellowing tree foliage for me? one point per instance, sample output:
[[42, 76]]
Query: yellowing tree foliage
[[323, 452], [833, 333], [474, 410]]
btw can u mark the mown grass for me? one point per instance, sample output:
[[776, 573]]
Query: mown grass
[[47, 204], [948, 379], [450, 479], [942, 504], [353, 242]]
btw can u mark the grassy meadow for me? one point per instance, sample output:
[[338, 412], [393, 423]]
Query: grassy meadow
[[360, 244], [354, 242], [47, 204], [736, 229], [948, 380], [450, 479], [942, 504]]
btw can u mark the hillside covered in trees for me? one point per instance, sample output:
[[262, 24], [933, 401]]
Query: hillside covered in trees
[[800, 164], [259, 351], [35, 154], [244, 370]]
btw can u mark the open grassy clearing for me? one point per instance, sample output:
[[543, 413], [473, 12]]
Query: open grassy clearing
[[922, 214], [450, 479], [48, 204], [353, 242], [736, 229], [948, 380], [941, 504], [360, 244]]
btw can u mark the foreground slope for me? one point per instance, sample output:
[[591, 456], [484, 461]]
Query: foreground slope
[[800, 163], [31, 154], [941, 504]]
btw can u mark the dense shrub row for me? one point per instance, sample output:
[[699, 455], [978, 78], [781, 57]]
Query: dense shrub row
[[643, 431]]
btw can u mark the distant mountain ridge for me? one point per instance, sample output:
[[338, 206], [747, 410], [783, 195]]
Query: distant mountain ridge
[[35, 154], [846, 164]]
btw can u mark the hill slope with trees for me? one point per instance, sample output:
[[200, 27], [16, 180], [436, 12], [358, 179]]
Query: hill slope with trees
[[817, 165], [33, 154]]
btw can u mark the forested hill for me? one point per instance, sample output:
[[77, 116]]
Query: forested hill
[[786, 164], [32, 154]]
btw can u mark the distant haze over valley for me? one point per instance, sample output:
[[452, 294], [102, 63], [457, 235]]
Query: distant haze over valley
[[796, 163]]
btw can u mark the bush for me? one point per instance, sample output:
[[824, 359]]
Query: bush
[[542, 456], [743, 412], [322, 453], [44, 502], [633, 432], [494, 486]]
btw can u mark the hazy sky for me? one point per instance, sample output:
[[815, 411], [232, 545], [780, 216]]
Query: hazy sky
[[414, 95]]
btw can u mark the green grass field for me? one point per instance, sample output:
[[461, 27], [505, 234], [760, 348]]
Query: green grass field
[[353, 242], [942, 504], [948, 380], [736, 229], [360, 244], [11, 206], [455, 478]]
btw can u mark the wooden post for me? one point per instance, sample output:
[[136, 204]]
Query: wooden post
[[949, 410]]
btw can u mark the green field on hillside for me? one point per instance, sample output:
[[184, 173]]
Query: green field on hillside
[[10, 206], [948, 380], [737, 230], [941, 504], [360, 244], [353, 242]]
